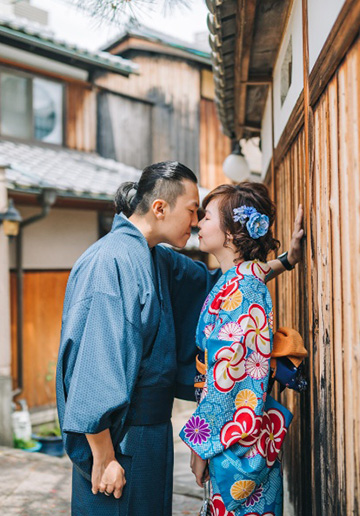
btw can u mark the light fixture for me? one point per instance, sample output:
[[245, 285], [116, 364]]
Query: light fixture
[[11, 219], [235, 166]]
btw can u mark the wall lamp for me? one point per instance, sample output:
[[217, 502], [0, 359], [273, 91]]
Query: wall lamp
[[235, 166], [11, 219]]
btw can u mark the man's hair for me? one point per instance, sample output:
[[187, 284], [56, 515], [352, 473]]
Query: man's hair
[[162, 180]]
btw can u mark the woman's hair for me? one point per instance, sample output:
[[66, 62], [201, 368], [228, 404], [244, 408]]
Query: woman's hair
[[245, 194], [162, 180]]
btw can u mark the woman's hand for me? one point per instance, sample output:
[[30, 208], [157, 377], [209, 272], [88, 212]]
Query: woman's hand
[[294, 253], [200, 469], [108, 477]]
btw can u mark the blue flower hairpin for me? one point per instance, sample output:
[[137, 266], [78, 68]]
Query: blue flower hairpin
[[257, 224]]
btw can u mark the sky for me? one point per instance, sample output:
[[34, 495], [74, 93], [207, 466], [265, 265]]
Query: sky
[[76, 27]]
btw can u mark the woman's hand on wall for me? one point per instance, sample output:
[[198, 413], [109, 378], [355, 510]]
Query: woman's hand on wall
[[294, 253]]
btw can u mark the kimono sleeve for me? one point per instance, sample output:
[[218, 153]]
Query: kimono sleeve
[[99, 360], [106, 367]]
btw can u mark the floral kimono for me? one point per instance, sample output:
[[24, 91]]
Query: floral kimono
[[236, 424]]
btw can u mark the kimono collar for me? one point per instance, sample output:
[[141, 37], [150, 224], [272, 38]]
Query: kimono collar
[[121, 221], [254, 268]]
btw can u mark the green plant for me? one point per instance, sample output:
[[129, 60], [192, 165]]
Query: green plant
[[49, 430], [24, 445]]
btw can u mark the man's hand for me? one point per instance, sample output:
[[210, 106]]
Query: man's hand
[[200, 469], [108, 477], [294, 253]]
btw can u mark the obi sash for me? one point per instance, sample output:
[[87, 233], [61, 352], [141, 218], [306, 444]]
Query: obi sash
[[150, 406]]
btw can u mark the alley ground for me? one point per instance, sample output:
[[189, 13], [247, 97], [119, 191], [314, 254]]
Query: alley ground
[[34, 484]]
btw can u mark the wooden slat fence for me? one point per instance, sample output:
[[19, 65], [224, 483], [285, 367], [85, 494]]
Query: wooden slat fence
[[322, 456]]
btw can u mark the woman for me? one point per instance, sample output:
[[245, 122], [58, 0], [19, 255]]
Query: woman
[[237, 429]]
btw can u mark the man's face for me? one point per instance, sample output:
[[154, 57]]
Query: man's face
[[179, 220]]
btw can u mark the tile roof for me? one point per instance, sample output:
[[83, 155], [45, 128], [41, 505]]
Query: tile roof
[[30, 168], [196, 52], [23, 33]]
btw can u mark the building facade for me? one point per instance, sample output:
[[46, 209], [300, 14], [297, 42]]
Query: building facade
[[295, 82]]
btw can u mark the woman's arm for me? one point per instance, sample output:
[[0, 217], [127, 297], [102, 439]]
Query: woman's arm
[[294, 253]]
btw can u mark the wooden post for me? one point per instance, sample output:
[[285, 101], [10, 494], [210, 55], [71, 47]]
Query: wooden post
[[309, 257]]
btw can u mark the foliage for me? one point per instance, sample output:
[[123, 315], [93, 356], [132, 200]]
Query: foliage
[[49, 430], [24, 445], [118, 11]]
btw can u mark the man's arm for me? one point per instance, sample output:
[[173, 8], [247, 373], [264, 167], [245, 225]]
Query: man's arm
[[107, 475], [294, 253]]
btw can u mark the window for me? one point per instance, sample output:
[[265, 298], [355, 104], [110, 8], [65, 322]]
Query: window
[[286, 72], [31, 108]]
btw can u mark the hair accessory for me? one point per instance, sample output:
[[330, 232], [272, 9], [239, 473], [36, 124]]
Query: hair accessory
[[257, 224]]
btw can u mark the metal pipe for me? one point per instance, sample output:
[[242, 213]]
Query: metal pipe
[[20, 292]]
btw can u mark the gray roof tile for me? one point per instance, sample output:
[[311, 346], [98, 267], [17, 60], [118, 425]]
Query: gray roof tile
[[72, 173], [39, 38]]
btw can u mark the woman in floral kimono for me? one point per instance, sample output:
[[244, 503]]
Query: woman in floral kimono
[[237, 429]]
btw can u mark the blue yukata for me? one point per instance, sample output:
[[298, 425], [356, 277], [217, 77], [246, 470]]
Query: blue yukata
[[127, 348], [236, 424]]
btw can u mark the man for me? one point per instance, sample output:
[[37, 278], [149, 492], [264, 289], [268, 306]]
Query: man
[[127, 346]]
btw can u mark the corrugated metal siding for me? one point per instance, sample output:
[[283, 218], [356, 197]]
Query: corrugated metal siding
[[322, 456]]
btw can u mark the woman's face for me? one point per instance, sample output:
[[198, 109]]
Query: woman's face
[[211, 236]]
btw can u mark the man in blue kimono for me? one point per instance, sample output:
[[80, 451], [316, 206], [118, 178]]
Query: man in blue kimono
[[127, 346]]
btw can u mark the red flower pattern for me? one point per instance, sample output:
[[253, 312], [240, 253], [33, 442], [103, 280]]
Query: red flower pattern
[[256, 330], [243, 429], [257, 514], [217, 507], [226, 290], [257, 269], [272, 435], [230, 366]]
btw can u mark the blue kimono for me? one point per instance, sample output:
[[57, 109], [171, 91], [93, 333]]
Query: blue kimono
[[127, 348], [236, 424]]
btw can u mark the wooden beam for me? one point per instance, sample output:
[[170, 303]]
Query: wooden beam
[[258, 81], [245, 20], [27, 199], [310, 272], [34, 70]]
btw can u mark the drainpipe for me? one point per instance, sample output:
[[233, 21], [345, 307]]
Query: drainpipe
[[48, 198], [6, 438]]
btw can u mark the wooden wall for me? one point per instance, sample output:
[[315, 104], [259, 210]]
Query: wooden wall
[[80, 131], [43, 301], [322, 456], [125, 129], [172, 86], [214, 147]]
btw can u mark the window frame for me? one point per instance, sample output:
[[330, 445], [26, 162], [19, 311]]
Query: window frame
[[32, 76]]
